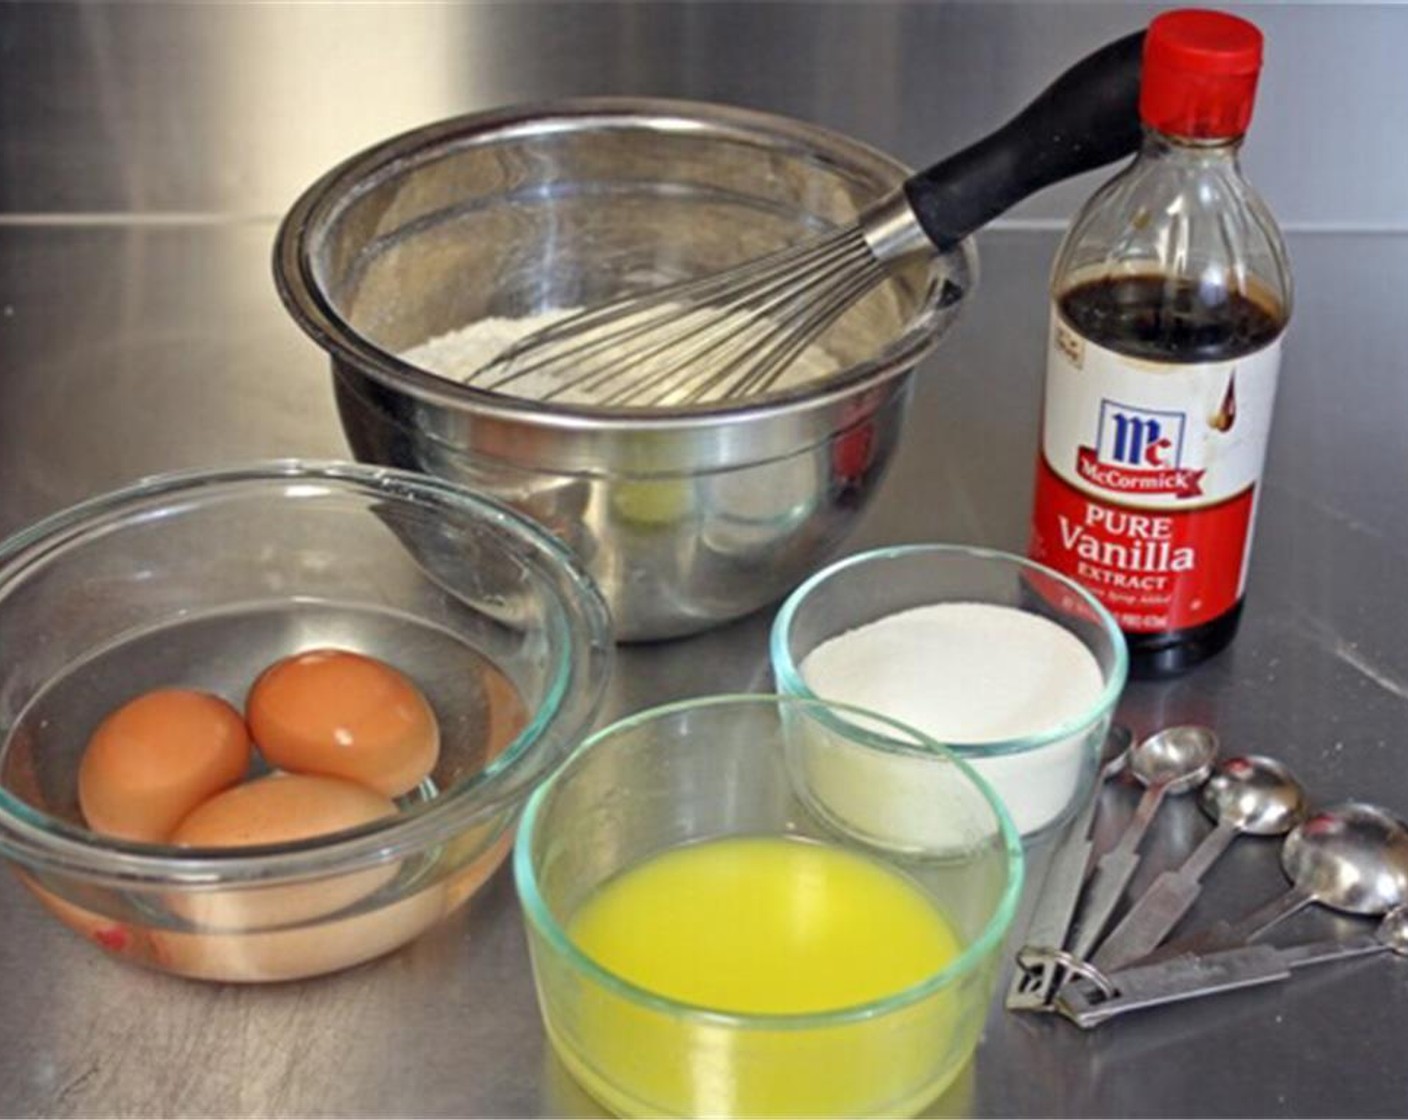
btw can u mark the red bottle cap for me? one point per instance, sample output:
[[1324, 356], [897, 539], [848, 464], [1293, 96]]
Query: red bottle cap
[[1200, 71]]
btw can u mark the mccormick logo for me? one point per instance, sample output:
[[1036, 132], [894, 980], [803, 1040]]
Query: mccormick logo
[[1139, 451]]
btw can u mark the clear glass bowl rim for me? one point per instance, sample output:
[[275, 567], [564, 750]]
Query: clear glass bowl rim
[[789, 676], [538, 914], [37, 840]]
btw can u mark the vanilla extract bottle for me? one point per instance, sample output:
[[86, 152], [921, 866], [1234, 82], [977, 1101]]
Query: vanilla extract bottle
[[1170, 297]]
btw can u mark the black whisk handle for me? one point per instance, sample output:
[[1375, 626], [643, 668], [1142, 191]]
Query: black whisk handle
[[1086, 118]]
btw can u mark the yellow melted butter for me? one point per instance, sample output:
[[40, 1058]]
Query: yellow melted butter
[[765, 925]]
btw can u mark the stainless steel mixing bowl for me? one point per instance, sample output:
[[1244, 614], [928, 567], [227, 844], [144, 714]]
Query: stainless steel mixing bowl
[[686, 517]]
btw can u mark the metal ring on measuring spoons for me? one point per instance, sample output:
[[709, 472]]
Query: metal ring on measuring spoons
[[1033, 957]]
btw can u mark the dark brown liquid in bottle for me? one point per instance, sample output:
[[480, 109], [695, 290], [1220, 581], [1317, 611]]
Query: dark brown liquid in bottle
[[1177, 321]]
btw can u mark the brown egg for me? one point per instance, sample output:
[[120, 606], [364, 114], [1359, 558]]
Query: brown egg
[[156, 758], [346, 715], [277, 809], [308, 950]]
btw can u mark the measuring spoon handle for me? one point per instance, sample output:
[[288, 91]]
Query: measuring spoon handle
[[1149, 921], [1113, 873], [1055, 908], [1263, 918], [1232, 935], [1214, 844], [1195, 976], [1163, 905], [1188, 977], [1143, 817], [1323, 952], [1051, 918]]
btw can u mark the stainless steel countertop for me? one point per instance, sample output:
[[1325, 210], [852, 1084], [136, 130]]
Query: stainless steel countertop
[[135, 342]]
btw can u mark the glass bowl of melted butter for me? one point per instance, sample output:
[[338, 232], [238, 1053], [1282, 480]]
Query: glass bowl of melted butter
[[710, 938]]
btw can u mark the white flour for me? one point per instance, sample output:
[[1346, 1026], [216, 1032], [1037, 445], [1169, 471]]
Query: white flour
[[967, 674], [461, 353]]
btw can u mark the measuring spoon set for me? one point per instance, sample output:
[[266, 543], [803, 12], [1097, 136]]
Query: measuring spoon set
[[1352, 858]]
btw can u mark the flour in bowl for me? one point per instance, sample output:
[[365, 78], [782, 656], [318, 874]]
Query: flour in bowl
[[458, 355]]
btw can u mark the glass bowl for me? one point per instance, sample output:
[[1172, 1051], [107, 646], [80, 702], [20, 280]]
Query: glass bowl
[[1042, 773], [199, 580], [694, 781]]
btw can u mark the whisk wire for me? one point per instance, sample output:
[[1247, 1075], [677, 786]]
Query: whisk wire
[[581, 333], [820, 315], [742, 344], [686, 342], [788, 327]]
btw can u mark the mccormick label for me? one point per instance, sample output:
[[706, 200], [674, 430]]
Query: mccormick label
[[1147, 480]]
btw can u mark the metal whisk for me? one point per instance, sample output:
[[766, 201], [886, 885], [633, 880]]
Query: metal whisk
[[734, 334]]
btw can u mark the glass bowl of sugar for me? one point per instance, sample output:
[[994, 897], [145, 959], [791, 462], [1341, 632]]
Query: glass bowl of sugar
[[1009, 664]]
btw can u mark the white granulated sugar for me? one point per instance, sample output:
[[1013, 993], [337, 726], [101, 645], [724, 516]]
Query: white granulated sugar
[[459, 354], [961, 672], [974, 673]]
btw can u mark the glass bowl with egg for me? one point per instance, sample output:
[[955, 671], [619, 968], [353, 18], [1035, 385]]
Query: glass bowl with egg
[[270, 721], [709, 939], [411, 262], [1011, 665]]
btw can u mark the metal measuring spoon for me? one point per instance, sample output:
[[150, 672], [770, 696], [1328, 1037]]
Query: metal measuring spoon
[[1092, 1001], [1050, 924], [1352, 857], [1175, 760], [1255, 796]]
